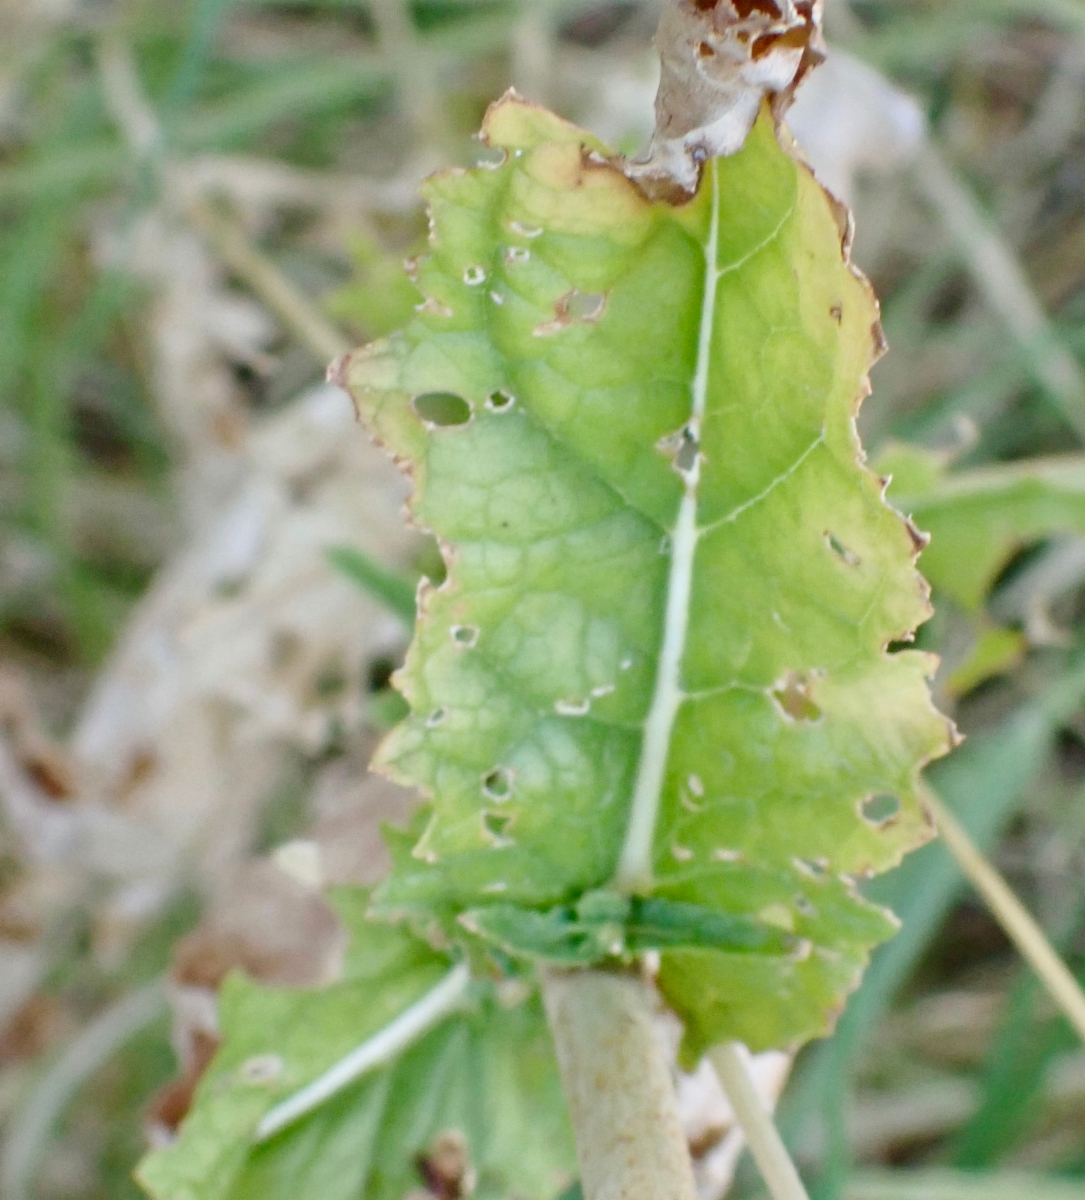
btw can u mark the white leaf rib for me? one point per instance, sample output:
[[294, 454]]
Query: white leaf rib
[[378, 1051], [635, 863], [765, 492]]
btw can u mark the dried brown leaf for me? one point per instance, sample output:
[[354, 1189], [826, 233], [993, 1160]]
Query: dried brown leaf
[[720, 60]]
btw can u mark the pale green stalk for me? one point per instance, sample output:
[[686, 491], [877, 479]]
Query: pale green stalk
[[629, 1141], [1011, 914], [781, 1177]]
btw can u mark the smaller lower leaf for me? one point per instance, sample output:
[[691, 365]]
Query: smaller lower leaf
[[486, 1076], [607, 925]]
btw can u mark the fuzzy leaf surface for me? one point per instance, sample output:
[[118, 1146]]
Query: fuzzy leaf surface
[[487, 1075], [671, 581]]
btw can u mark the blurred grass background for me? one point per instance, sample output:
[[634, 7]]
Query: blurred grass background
[[309, 123]]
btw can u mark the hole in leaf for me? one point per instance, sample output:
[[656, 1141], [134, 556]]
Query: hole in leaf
[[688, 452], [804, 907], [474, 276], [498, 784], [880, 809], [437, 717], [492, 158], [584, 306], [516, 255], [792, 695], [465, 635], [525, 230], [574, 308], [497, 823], [841, 551], [815, 868], [442, 408], [500, 401]]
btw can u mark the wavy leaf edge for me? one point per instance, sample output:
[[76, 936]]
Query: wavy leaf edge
[[366, 374]]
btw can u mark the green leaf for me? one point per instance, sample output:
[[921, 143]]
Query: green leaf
[[984, 784], [487, 1074], [659, 662], [979, 519]]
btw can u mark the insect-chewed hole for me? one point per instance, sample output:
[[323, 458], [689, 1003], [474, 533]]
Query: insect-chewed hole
[[437, 717], [474, 276], [792, 695], [584, 306], [498, 784], [803, 906], [497, 823], [465, 635], [841, 551], [501, 401], [442, 408], [493, 158], [574, 308], [814, 868], [880, 810], [687, 451]]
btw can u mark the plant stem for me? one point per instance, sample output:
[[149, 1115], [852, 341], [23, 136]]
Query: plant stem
[[763, 1138], [1018, 923], [629, 1142]]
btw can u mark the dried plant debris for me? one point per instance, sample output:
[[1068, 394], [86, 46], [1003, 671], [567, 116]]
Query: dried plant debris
[[720, 60]]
